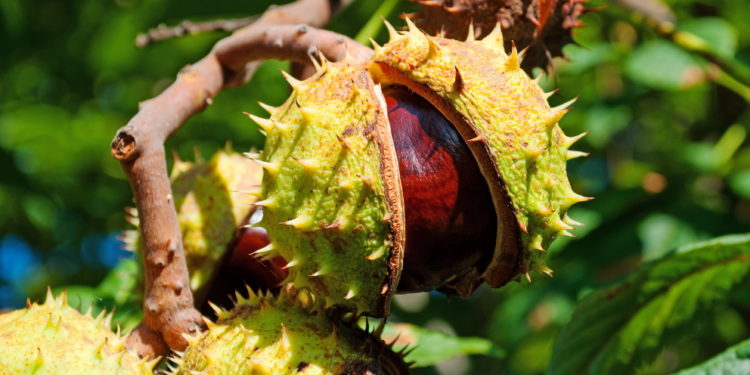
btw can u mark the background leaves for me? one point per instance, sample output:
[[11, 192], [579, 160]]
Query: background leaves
[[618, 329], [426, 347], [669, 163]]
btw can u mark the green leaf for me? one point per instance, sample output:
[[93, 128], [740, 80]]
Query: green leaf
[[662, 65], [734, 361], [660, 233], [581, 59], [119, 292], [122, 284], [720, 36], [614, 331], [603, 122], [740, 183], [431, 347]]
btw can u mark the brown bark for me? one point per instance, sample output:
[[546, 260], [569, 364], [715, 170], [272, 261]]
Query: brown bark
[[139, 145], [163, 32]]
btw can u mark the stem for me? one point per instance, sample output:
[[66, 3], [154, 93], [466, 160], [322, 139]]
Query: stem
[[163, 32], [694, 43], [721, 77]]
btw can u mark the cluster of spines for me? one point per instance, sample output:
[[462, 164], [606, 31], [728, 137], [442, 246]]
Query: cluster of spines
[[548, 220], [112, 342], [344, 338], [103, 319], [286, 124], [253, 299], [377, 333]]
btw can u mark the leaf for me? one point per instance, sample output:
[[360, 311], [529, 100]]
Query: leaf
[[733, 361], [122, 283], [431, 347], [122, 290], [603, 122], [740, 183], [581, 59], [720, 36], [614, 331], [660, 233], [662, 65]]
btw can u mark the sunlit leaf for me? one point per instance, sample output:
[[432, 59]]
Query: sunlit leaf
[[740, 183], [662, 65], [719, 35], [660, 233], [122, 283], [429, 347]]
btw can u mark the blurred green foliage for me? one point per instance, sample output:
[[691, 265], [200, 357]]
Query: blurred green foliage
[[669, 163]]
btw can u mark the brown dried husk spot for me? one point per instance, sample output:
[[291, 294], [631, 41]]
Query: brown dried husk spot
[[544, 26]]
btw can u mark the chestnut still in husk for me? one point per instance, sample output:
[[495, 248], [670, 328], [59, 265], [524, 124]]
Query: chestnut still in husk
[[450, 219]]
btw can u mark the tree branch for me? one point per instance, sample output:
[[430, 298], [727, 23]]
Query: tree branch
[[163, 32], [654, 10], [139, 146]]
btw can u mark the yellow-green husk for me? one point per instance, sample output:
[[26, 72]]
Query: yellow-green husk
[[53, 338]]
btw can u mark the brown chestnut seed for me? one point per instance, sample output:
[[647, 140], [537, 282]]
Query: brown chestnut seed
[[450, 218], [242, 267]]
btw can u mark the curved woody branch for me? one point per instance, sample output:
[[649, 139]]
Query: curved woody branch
[[139, 146]]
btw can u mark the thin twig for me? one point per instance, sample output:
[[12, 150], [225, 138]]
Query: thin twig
[[655, 11], [164, 32], [187, 27]]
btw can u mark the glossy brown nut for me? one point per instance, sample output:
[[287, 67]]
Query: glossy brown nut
[[450, 219]]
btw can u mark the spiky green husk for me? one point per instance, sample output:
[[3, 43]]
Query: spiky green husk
[[506, 120], [53, 338], [212, 200], [331, 206], [287, 334]]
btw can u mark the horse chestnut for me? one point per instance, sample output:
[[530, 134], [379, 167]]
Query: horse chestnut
[[362, 203], [450, 219]]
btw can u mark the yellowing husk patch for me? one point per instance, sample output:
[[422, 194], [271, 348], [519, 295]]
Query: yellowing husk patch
[[53, 338], [280, 335], [330, 189]]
